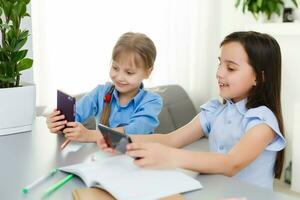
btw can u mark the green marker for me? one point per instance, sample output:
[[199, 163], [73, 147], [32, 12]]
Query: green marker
[[38, 181], [58, 184]]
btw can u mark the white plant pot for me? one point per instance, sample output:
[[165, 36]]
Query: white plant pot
[[17, 109]]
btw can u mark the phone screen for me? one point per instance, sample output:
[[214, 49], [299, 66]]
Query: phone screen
[[114, 139], [66, 105]]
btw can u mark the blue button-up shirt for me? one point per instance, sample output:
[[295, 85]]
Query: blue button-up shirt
[[138, 116], [225, 124]]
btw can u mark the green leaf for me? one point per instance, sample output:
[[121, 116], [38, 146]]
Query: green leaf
[[23, 34], [19, 55], [7, 8], [3, 56], [259, 3], [26, 1], [254, 8], [295, 3], [6, 80], [278, 10], [24, 64], [21, 9], [13, 42], [237, 3], [244, 7], [20, 44], [12, 58], [4, 26]]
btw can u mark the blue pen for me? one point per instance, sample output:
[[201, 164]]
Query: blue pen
[[38, 181]]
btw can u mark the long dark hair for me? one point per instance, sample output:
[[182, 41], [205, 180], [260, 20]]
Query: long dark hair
[[265, 57]]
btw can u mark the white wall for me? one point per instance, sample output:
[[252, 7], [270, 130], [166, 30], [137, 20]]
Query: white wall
[[296, 150], [72, 47]]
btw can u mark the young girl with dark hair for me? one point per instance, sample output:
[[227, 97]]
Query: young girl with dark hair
[[124, 104], [245, 132]]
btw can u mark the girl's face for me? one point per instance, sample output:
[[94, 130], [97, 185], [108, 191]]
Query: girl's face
[[235, 76], [126, 74]]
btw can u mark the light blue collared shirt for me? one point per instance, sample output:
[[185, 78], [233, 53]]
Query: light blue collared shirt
[[225, 124], [138, 116]]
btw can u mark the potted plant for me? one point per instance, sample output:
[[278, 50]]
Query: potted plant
[[17, 100], [264, 7]]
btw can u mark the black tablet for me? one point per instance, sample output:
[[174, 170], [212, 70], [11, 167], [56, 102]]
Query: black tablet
[[114, 139], [66, 105]]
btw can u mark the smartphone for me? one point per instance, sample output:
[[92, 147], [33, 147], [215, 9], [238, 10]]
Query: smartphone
[[66, 105], [114, 139]]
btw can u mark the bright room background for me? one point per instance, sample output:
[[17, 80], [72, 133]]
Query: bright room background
[[73, 41]]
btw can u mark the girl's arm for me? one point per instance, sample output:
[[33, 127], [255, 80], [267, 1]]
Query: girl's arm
[[178, 138], [242, 154]]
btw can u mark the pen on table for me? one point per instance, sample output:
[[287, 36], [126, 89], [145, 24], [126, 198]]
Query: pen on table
[[58, 185], [32, 185], [66, 142]]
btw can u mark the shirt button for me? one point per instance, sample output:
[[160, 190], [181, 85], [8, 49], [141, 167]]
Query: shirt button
[[229, 122], [221, 147]]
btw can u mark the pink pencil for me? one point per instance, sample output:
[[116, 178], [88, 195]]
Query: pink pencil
[[66, 142]]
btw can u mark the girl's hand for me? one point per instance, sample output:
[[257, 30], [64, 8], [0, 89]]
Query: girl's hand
[[77, 132], [55, 121], [152, 155], [104, 146]]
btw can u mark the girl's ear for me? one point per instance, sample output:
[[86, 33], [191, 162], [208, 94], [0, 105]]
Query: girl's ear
[[254, 84], [148, 72]]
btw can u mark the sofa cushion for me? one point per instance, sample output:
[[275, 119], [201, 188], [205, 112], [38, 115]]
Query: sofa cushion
[[178, 109]]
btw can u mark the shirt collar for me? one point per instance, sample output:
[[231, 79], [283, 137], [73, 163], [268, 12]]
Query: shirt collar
[[240, 105], [135, 99]]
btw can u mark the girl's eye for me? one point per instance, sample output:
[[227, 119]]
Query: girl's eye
[[115, 68], [130, 73], [230, 68]]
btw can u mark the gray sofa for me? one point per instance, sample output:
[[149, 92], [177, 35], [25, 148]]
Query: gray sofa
[[177, 111]]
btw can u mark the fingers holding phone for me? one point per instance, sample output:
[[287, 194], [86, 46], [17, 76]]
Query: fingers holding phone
[[101, 143], [77, 132], [55, 121], [153, 155]]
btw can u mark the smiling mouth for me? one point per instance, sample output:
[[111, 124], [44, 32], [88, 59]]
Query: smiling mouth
[[121, 84], [223, 85]]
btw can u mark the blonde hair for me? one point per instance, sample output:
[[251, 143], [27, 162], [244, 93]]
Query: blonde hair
[[139, 44], [143, 49]]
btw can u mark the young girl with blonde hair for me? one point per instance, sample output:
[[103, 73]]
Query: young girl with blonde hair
[[124, 104]]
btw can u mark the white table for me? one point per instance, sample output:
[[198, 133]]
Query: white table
[[27, 156]]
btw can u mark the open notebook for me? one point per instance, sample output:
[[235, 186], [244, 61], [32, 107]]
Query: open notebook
[[122, 179]]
